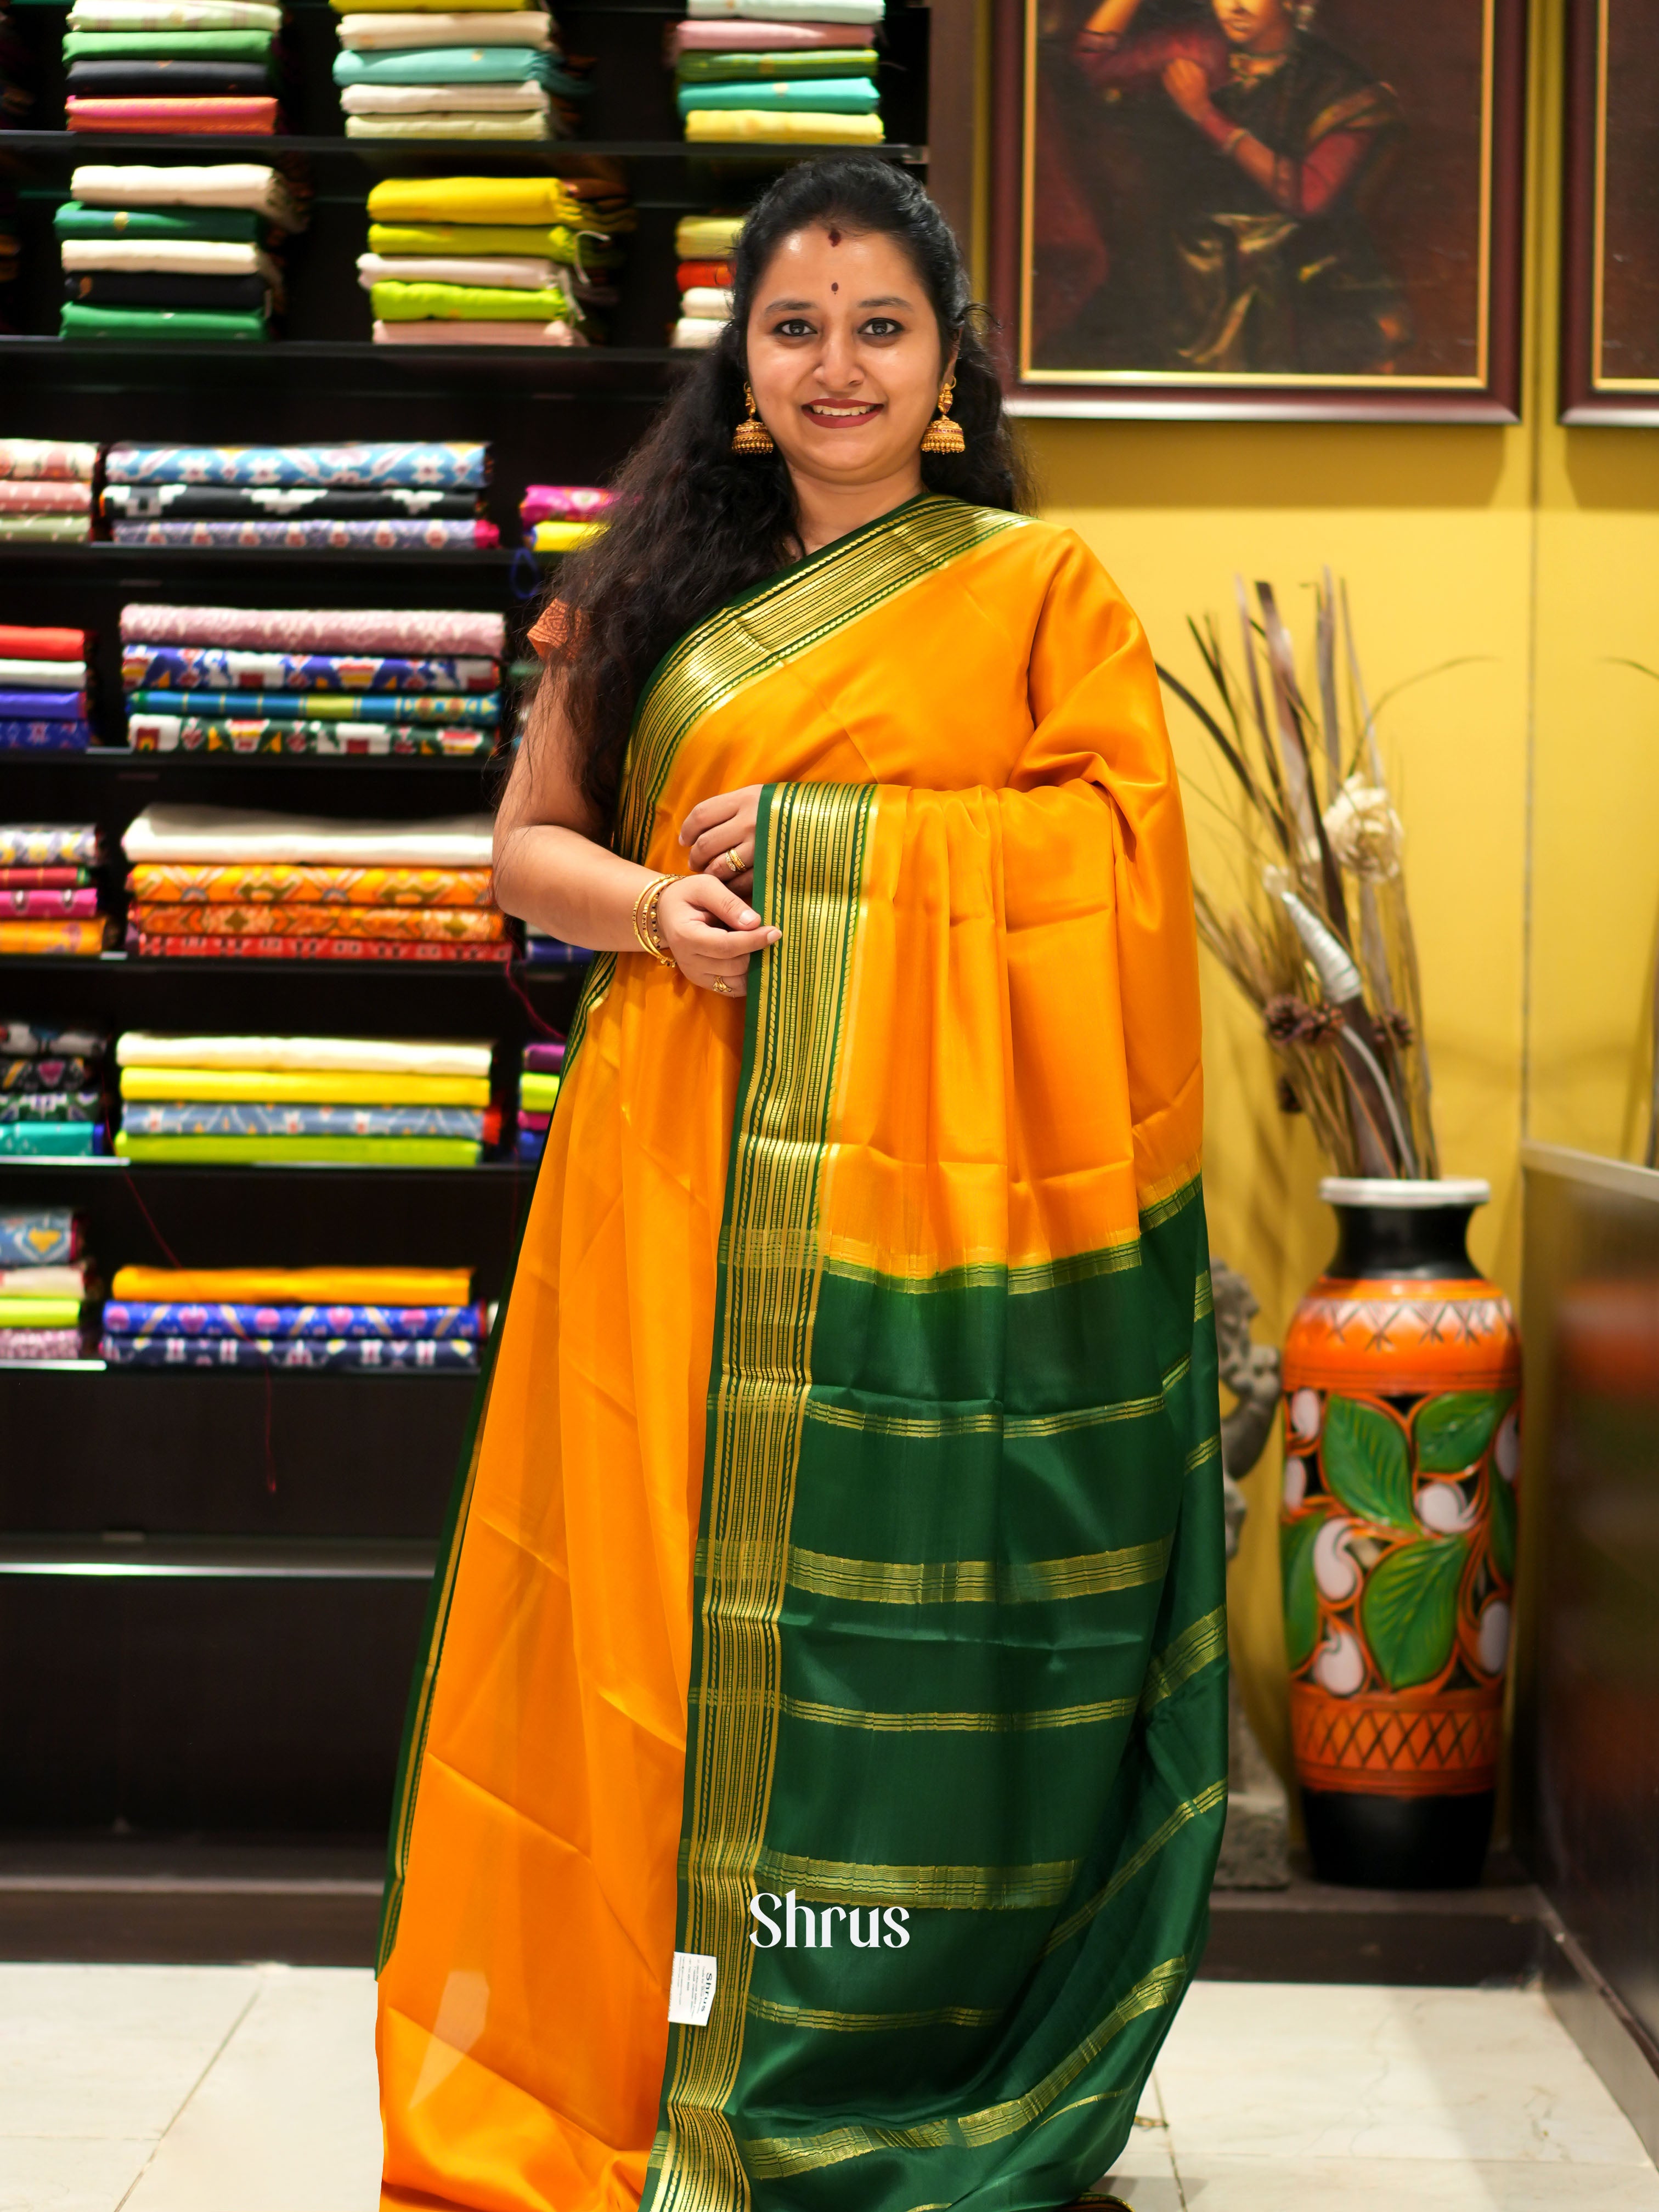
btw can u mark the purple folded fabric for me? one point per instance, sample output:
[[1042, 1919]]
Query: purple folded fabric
[[44, 737], [43, 706], [538, 1122], [34, 1343], [546, 1058], [420, 536]]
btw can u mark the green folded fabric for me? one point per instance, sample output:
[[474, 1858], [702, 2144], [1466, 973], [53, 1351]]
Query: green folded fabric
[[39, 1313], [445, 65], [240, 225], [168, 46], [849, 95], [556, 242], [306, 1152], [48, 529], [468, 303], [137, 324], [750, 68], [52, 1140]]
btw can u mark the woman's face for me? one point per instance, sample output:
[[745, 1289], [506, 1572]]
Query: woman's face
[[1261, 25], [844, 355]]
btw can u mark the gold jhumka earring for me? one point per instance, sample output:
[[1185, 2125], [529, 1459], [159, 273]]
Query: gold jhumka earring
[[942, 436], [751, 434]]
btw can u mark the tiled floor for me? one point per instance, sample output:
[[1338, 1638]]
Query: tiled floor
[[251, 2089]]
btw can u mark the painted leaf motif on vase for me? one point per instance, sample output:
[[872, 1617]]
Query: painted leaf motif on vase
[[1296, 1551], [1366, 1463], [1410, 1609], [1502, 1539], [1453, 1429]]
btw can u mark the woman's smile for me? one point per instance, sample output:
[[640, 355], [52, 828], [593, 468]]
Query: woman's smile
[[841, 413]]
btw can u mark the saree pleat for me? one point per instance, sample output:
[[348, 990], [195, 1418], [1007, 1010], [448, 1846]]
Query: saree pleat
[[836, 1588]]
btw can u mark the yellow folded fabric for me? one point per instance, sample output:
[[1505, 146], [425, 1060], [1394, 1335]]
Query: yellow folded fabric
[[299, 1287], [449, 125], [707, 237], [562, 537], [265, 1087], [537, 1093], [467, 303], [39, 1313], [473, 199], [754, 122]]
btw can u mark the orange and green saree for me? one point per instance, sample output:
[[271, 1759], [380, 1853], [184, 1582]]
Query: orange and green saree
[[833, 1609]]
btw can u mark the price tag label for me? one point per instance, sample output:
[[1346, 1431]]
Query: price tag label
[[691, 1990]]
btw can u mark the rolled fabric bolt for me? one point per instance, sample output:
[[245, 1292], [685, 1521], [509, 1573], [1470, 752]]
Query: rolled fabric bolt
[[706, 304], [486, 269]]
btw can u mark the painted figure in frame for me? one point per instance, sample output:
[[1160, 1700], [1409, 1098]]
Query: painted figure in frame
[[1203, 200]]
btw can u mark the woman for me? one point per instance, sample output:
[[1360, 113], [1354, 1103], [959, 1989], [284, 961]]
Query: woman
[[1274, 270], [829, 1655]]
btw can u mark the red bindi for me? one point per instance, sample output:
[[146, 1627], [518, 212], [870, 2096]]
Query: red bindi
[[835, 287]]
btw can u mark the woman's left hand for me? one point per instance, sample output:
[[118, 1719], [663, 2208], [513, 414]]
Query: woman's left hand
[[1189, 86], [722, 830]]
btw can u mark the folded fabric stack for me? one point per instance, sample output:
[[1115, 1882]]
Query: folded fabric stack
[[43, 1281], [538, 1087], [455, 69], [209, 882], [491, 260], [558, 518], [704, 245], [45, 491], [390, 1320], [43, 693], [543, 950], [52, 1080], [779, 71], [50, 860], [184, 252], [361, 1102], [208, 67], [399, 496], [346, 680]]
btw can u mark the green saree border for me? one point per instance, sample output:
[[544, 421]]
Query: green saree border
[[811, 847], [418, 1718]]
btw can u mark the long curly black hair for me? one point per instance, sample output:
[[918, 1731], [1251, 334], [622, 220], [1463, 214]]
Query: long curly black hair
[[694, 524]]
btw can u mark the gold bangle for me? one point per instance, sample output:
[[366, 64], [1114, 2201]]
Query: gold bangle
[[645, 921]]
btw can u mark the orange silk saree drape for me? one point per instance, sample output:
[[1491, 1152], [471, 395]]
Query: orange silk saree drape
[[834, 1595]]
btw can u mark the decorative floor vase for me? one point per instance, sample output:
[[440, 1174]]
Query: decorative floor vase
[[1403, 1378]]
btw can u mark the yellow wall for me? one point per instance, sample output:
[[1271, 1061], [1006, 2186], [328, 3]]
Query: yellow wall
[[1536, 551]]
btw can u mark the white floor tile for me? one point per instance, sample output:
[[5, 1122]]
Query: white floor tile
[[1298, 2071], [109, 2051], [1385, 2185], [288, 2119], [67, 2174]]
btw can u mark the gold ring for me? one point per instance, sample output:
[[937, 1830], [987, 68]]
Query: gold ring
[[721, 983], [736, 858]]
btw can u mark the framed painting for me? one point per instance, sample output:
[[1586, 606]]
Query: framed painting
[[1610, 257], [1248, 208]]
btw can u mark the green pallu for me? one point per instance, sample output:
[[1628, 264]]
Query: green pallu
[[766, 68], [38, 1313], [554, 242], [168, 46], [838, 95], [240, 226], [134, 325], [302, 1152], [468, 303]]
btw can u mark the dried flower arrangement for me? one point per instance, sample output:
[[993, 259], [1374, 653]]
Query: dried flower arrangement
[[1319, 936]]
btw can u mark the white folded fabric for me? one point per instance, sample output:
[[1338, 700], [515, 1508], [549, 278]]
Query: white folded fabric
[[451, 124], [690, 332], [518, 274], [330, 1055], [44, 1282], [42, 675], [792, 11], [217, 834], [186, 257], [173, 15], [444, 99], [528, 27], [218, 184], [439, 331], [705, 303], [24, 459]]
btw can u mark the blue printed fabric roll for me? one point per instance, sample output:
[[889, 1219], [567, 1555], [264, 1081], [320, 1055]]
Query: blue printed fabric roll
[[48, 844], [529, 1144], [198, 667], [43, 706], [240, 1120], [553, 952], [17, 736], [460, 465], [481, 707], [45, 1237], [458, 1355], [317, 535], [289, 1324]]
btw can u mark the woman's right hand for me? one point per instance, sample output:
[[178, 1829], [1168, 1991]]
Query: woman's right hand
[[712, 935]]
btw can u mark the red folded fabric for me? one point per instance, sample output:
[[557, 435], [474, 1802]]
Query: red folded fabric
[[314, 948], [29, 495], [18, 641], [716, 275], [206, 118], [49, 905], [38, 879]]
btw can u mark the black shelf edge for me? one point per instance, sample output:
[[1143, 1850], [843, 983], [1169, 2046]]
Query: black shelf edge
[[124, 757], [328, 1558], [546, 152], [137, 963], [99, 553]]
